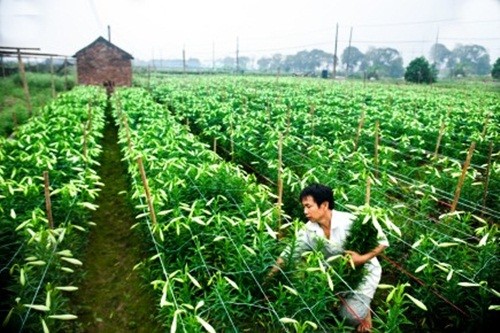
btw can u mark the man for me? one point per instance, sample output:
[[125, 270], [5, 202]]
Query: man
[[325, 222]]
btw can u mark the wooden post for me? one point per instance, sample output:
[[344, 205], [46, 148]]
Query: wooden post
[[48, 204], [487, 176], [462, 177], [89, 121], [311, 113], [149, 78], [440, 136], [244, 104], [268, 109], [288, 116], [215, 145], [14, 120], [146, 189], [377, 128], [360, 126], [441, 133], [127, 132], [52, 80], [485, 126], [3, 65], [368, 190], [231, 137], [84, 142], [280, 180], [22, 72], [65, 73]]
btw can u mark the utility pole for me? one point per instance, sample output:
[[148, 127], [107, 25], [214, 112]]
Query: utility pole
[[213, 56], [184, 59], [335, 53], [109, 34], [435, 47], [348, 55]]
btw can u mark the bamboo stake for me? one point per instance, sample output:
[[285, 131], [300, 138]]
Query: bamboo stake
[[65, 73], [89, 121], [288, 116], [487, 176], [360, 126], [280, 179], [52, 80], [485, 126], [84, 142], [462, 177], [127, 132], [14, 121], [231, 137], [311, 113], [268, 109], [22, 72], [48, 204], [146, 188], [377, 128], [440, 136], [441, 133], [368, 190]]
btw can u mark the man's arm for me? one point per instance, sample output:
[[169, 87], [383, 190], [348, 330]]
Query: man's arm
[[360, 259], [279, 264]]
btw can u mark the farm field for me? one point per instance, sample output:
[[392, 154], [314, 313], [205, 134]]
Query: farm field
[[209, 158]]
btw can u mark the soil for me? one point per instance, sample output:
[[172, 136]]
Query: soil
[[112, 297]]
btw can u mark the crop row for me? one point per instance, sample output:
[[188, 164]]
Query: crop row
[[47, 186], [214, 234], [408, 128], [449, 260]]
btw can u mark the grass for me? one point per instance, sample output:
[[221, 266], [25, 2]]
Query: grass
[[13, 106], [112, 297]]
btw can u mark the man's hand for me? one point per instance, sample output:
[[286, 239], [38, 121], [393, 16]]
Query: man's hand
[[359, 259], [355, 258]]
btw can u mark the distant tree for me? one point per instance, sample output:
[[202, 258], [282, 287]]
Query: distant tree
[[439, 54], [243, 62], [277, 62], [383, 62], [193, 63], [353, 58], [264, 64], [470, 59], [419, 71], [495, 72], [229, 63], [307, 61]]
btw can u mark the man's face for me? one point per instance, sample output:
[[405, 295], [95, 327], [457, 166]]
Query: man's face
[[312, 211]]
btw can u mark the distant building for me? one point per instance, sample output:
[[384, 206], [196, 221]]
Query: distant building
[[103, 63]]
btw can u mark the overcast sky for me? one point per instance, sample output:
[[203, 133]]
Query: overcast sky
[[211, 28]]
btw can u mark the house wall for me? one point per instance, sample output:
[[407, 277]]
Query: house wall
[[102, 63]]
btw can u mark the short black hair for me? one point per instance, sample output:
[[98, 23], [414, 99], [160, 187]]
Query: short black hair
[[320, 193]]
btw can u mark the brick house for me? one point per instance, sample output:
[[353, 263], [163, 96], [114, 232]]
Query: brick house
[[103, 63]]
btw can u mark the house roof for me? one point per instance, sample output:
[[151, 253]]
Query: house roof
[[126, 55]]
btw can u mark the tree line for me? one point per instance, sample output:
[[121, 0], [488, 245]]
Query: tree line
[[463, 60]]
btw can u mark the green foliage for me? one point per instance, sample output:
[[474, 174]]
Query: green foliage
[[318, 123], [420, 71], [39, 260]]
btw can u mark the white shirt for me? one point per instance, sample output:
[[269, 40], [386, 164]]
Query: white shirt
[[308, 236]]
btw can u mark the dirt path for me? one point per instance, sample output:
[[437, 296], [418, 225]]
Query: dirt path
[[110, 298]]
